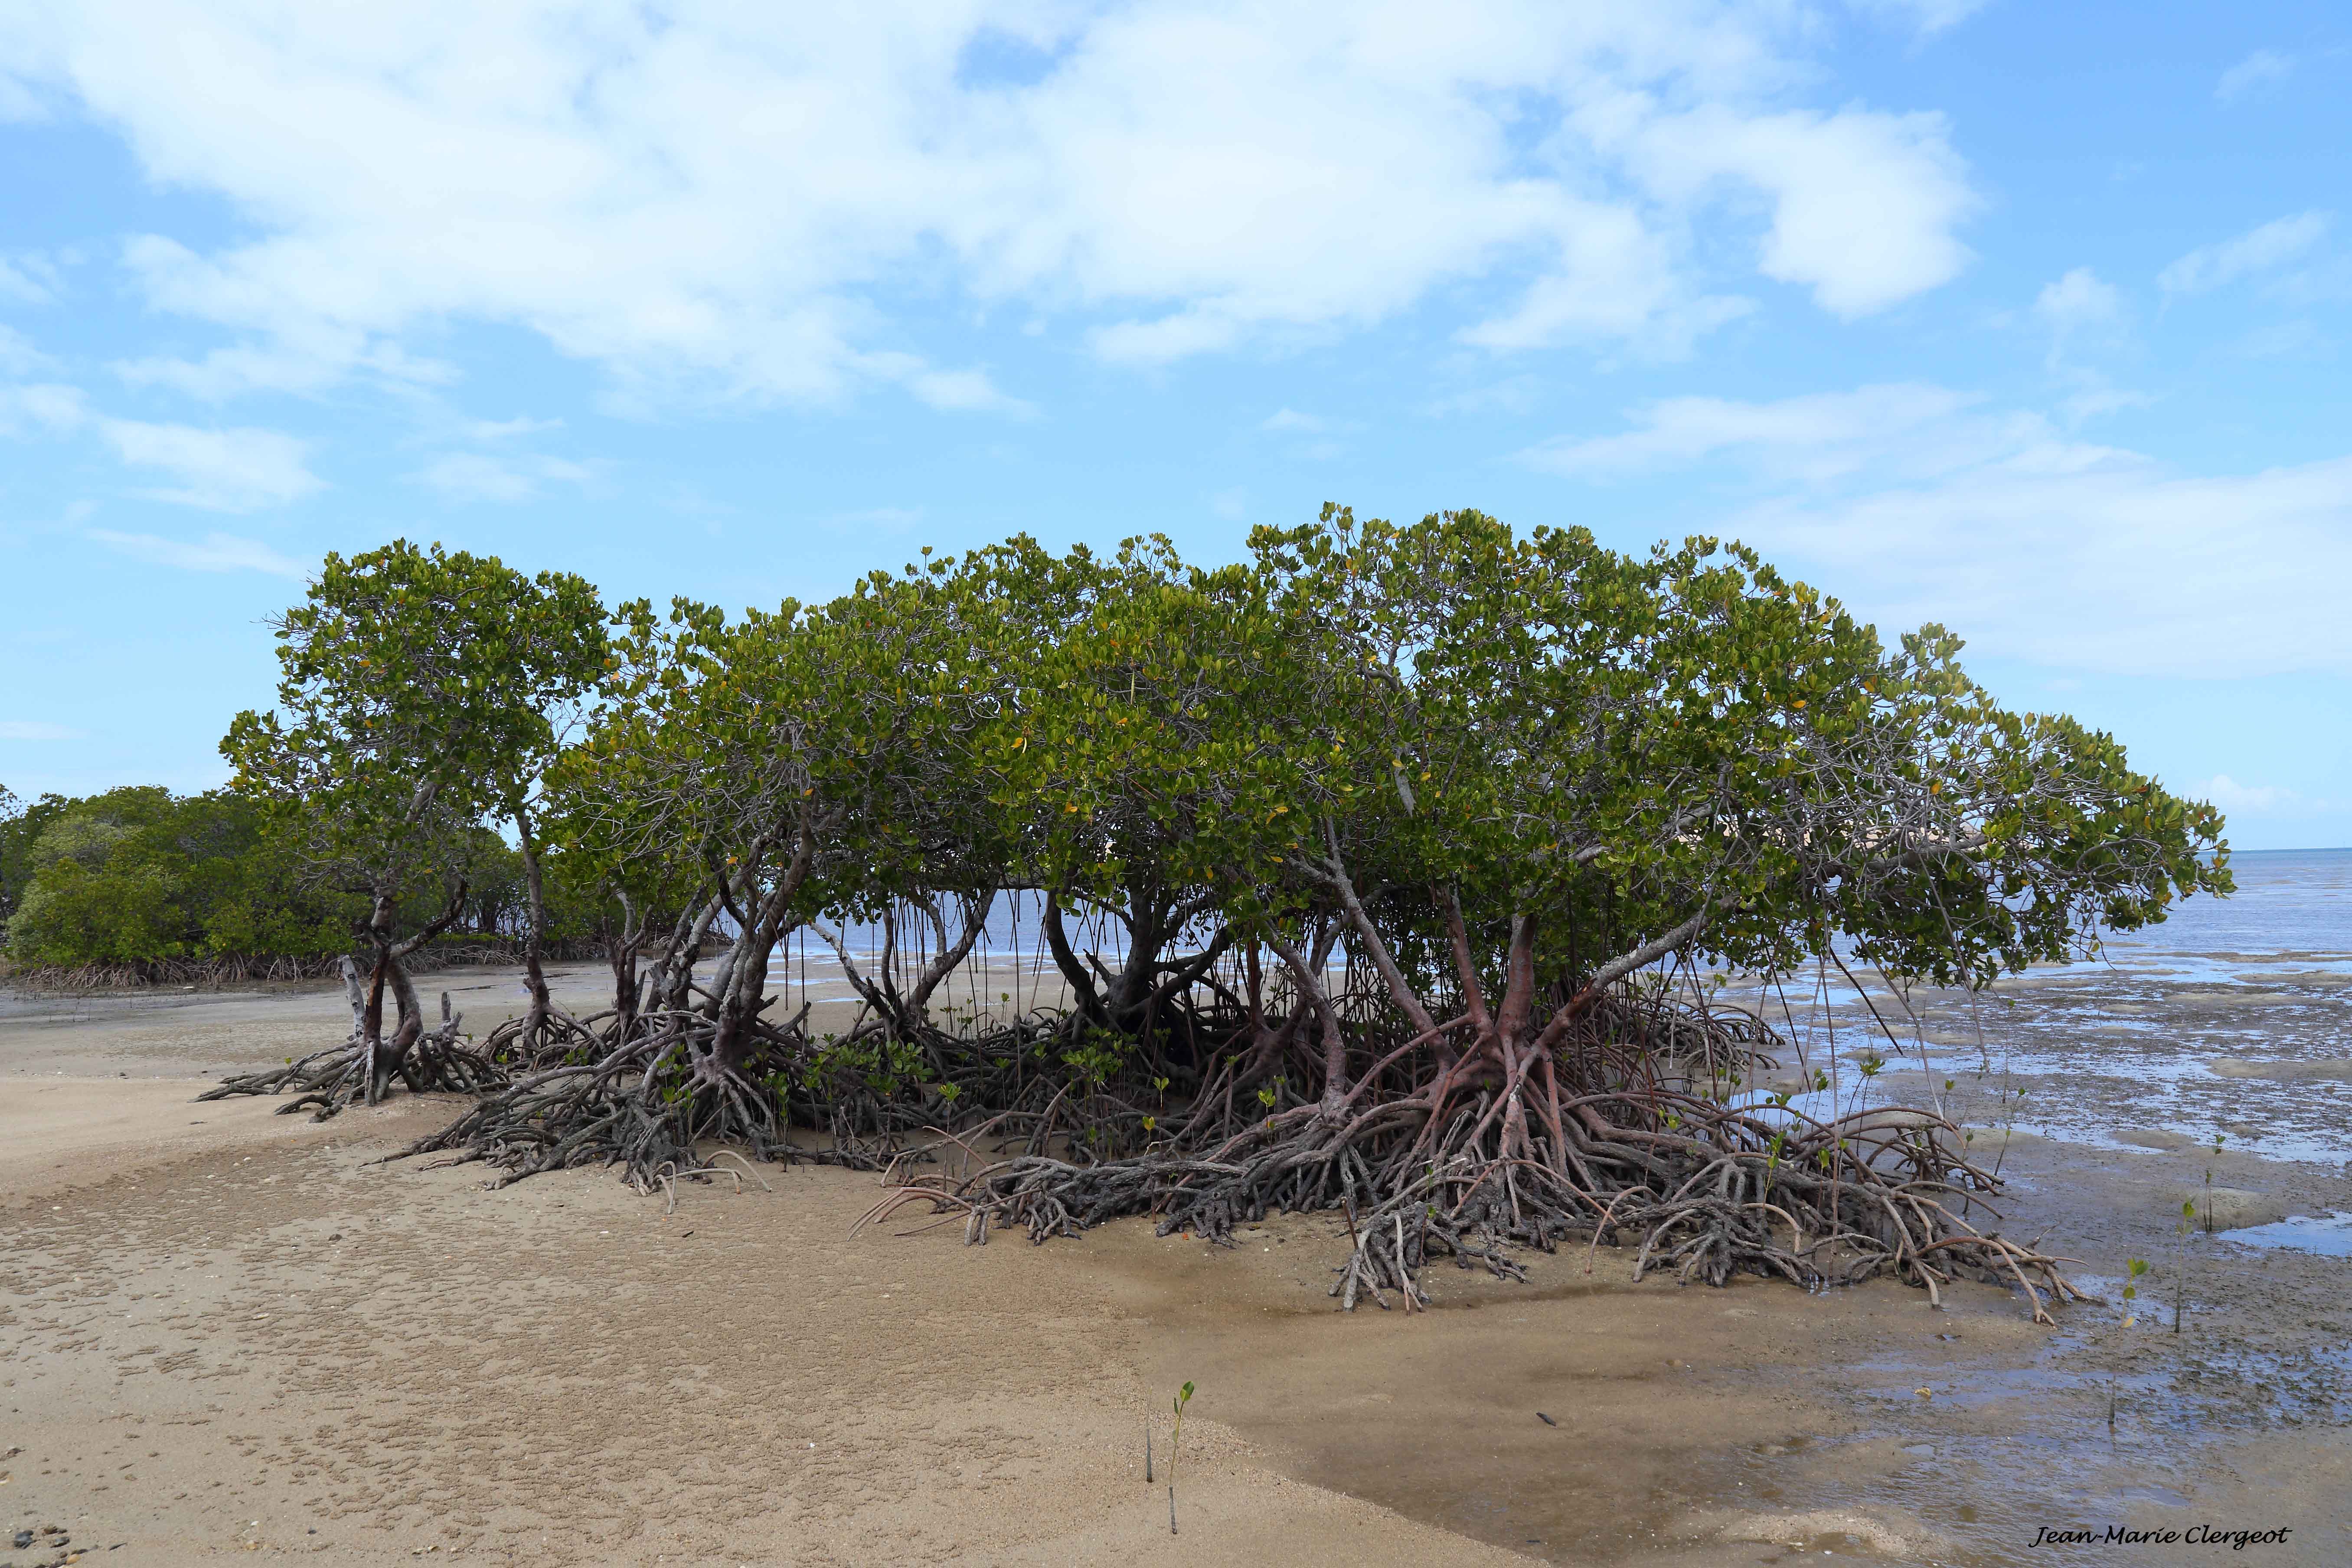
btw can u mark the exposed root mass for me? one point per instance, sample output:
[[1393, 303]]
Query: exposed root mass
[[441, 1059], [1634, 1128]]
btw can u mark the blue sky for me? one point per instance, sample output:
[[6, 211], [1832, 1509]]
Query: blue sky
[[2028, 318]]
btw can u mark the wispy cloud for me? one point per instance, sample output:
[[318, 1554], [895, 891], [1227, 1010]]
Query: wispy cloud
[[507, 430], [2257, 69], [218, 552], [965, 392], [29, 730], [1817, 436], [25, 280], [1928, 15], [475, 477], [2271, 246], [44, 407], [17, 355], [221, 470], [2258, 800], [1512, 394], [2079, 302], [1925, 505], [234, 469]]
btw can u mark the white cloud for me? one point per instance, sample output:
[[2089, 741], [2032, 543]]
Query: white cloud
[[234, 372], [471, 476], [963, 392], [301, 356], [31, 730], [2257, 70], [1512, 394], [16, 102], [221, 470], [723, 201], [27, 282], [2077, 302], [2097, 398], [234, 469], [2273, 245], [1928, 15], [1232, 504], [48, 407], [1919, 504], [17, 354], [501, 429], [1818, 436], [1290, 421], [2077, 309], [1864, 204], [2257, 800], [218, 553]]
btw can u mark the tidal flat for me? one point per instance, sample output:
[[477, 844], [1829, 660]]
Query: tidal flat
[[226, 1332]]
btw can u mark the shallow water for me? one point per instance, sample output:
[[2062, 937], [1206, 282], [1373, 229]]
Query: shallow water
[[2329, 1235], [2287, 900], [2232, 1017]]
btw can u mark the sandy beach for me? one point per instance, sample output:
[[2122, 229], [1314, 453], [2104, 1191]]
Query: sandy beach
[[228, 1334]]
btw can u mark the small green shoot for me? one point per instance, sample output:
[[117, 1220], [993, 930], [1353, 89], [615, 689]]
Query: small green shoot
[[1175, 1447], [2137, 1265]]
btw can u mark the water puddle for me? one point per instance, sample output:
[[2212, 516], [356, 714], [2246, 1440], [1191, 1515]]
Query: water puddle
[[2329, 1235]]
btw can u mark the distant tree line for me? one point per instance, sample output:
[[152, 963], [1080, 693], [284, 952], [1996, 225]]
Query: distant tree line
[[131, 878]]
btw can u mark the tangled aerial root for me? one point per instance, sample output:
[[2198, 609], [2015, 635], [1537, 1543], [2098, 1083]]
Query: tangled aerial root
[[324, 1082], [1475, 1168], [654, 1105], [626, 1106], [1719, 1193]]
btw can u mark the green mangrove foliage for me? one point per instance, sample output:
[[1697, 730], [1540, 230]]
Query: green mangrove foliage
[[137, 875], [1376, 870], [421, 694]]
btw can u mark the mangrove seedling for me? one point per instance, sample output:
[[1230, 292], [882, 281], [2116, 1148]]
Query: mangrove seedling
[[1176, 1446]]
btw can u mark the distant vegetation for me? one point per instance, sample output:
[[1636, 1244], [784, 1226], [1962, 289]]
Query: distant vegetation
[[141, 883]]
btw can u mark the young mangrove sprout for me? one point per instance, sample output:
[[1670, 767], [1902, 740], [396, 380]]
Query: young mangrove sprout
[[1175, 1447]]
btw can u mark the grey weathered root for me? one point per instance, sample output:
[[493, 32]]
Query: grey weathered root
[[437, 1061], [1594, 1144], [1707, 1191]]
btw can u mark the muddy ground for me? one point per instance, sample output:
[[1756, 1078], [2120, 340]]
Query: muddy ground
[[226, 1333]]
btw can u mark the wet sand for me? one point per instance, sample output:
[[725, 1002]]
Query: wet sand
[[225, 1332]]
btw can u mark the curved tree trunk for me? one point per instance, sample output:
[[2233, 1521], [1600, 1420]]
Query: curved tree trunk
[[386, 1058], [534, 976]]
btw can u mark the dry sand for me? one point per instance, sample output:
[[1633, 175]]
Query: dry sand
[[228, 1333]]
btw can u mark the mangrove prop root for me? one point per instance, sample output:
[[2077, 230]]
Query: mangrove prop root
[[324, 1082], [988, 1129], [1704, 1192]]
